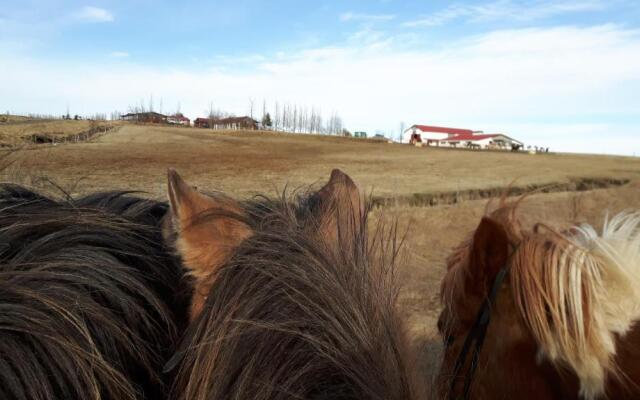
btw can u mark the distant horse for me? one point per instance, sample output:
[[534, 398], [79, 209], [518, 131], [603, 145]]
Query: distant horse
[[90, 300], [473, 146], [543, 314], [291, 301]]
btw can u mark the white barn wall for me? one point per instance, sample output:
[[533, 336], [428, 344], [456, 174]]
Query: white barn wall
[[406, 137]]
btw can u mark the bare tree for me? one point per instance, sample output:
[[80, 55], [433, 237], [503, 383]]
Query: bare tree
[[211, 115], [251, 102], [295, 118]]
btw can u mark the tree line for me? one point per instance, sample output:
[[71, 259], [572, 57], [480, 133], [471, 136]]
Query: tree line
[[277, 116], [297, 118]]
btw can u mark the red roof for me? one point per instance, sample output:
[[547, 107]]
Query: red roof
[[440, 129], [458, 138]]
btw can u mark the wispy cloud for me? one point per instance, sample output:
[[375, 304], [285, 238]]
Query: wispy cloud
[[349, 16], [94, 14], [119, 54], [514, 10]]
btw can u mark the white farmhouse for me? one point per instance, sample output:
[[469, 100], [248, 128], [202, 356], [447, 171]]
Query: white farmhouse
[[432, 134], [455, 137]]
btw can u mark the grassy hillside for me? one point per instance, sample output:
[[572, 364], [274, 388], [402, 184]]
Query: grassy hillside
[[18, 130], [246, 163]]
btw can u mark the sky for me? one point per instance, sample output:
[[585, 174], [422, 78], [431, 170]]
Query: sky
[[563, 74]]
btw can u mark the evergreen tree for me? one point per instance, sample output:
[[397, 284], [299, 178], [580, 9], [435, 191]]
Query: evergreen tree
[[266, 121]]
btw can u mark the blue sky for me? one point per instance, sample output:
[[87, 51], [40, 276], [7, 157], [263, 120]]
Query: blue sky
[[563, 74]]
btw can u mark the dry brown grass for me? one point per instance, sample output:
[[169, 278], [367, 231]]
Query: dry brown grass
[[18, 130], [251, 162], [246, 163], [13, 118]]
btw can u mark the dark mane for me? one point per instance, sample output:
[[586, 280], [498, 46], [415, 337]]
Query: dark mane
[[90, 300], [290, 317]]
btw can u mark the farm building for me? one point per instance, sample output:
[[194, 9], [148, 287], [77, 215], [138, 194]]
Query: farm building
[[231, 123], [432, 134], [491, 141], [178, 119], [202, 122], [146, 117], [455, 137]]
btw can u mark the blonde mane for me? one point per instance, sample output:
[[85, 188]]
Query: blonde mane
[[576, 291]]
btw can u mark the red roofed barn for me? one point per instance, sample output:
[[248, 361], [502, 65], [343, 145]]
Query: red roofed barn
[[455, 137]]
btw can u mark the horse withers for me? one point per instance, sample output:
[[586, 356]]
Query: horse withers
[[543, 314], [291, 299]]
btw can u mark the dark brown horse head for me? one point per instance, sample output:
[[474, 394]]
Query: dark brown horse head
[[290, 301], [564, 308]]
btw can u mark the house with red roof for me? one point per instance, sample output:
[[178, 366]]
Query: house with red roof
[[456, 137], [429, 134], [178, 119]]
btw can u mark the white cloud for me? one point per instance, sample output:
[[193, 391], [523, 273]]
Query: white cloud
[[94, 14], [119, 54], [501, 9], [349, 16], [568, 88]]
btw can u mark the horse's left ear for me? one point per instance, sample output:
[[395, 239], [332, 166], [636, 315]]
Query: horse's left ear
[[489, 253], [338, 209], [208, 230]]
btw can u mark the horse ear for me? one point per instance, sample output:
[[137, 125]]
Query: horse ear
[[207, 230], [489, 253], [338, 209]]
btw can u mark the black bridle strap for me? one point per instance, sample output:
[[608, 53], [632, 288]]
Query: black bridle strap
[[476, 336]]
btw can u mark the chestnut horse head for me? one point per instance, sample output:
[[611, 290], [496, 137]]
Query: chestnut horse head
[[561, 322], [290, 301]]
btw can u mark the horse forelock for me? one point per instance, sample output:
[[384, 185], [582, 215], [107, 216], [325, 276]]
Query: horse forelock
[[576, 291], [321, 320]]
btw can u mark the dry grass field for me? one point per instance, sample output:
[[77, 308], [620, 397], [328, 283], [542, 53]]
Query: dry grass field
[[246, 163], [17, 130]]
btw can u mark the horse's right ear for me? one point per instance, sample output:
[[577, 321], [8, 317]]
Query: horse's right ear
[[489, 253], [338, 209], [207, 231]]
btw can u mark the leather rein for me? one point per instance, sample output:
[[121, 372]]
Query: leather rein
[[475, 338]]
